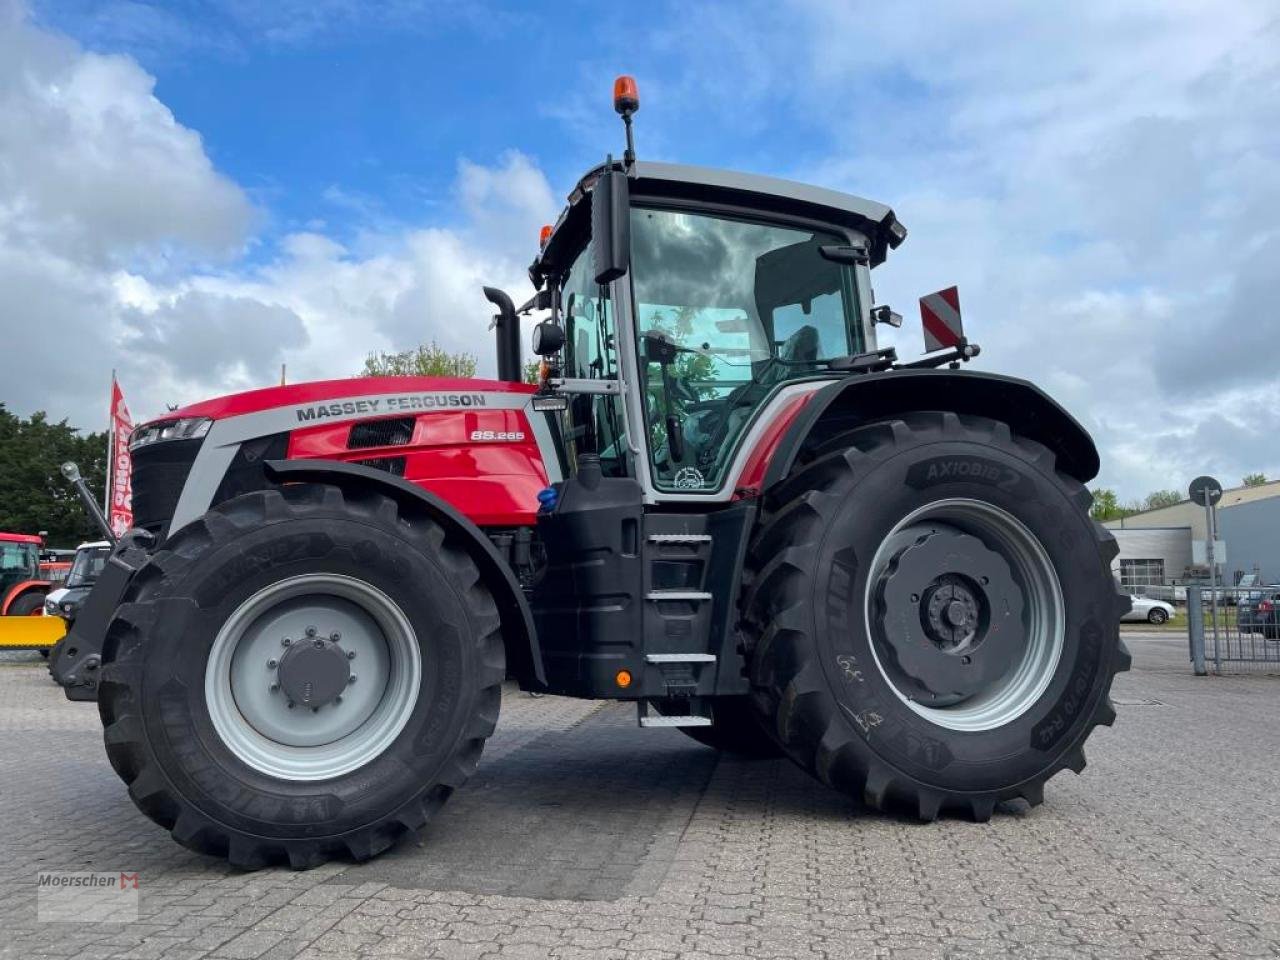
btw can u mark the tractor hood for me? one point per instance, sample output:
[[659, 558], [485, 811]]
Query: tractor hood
[[296, 394]]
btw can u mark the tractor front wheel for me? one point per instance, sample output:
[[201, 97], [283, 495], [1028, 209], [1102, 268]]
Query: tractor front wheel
[[932, 622], [303, 673]]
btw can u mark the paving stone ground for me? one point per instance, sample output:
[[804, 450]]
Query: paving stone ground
[[583, 836]]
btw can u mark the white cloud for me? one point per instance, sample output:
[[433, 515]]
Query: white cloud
[[120, 246], [1103, 182]]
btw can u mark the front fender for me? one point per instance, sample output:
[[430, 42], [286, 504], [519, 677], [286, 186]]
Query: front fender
[[524, 654], [1027, 410]]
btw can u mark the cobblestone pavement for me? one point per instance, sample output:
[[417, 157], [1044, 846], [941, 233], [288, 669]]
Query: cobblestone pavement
[[584, 836]]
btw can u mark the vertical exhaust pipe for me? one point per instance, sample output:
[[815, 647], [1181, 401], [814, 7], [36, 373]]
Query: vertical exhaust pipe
[[507, 326]]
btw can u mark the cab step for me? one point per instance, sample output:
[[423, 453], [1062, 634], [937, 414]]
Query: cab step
[[657, 720]]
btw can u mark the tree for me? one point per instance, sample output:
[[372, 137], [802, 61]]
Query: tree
[[425, 360], [1106, 506], [1254, 479], [33, 494], [1162, 498]]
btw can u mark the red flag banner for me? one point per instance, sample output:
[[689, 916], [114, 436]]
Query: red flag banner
[[121, 489], [941, 315]]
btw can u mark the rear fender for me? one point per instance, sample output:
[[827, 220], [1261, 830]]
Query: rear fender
[[1024, 407], [524, 656]]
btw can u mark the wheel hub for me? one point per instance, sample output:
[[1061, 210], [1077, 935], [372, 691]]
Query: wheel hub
[[950, 614], [314, 672], [281, 682]]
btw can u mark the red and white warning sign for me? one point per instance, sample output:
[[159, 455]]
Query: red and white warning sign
[[941, 315]]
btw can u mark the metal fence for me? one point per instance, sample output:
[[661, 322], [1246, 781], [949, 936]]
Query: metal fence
[[1234, 629]]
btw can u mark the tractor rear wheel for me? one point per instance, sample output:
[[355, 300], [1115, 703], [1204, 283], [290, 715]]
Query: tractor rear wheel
[[301, 674], [28, 605], [736, 729], [932, 623]]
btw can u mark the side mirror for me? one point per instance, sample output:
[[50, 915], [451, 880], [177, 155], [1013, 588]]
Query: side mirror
[[548, 338], [611, 226], [882, 314]]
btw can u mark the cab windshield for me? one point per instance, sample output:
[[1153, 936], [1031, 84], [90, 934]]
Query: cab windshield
[[18, 560], [726, 311], [87, 565]]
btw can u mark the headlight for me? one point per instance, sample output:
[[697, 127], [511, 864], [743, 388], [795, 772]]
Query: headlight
[[68, 607], [51, 607], [188, 428]]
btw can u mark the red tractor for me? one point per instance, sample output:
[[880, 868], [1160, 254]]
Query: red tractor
[[722, 502], [25, 576]]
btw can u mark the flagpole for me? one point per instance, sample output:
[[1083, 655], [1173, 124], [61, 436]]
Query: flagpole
[[111, 445]]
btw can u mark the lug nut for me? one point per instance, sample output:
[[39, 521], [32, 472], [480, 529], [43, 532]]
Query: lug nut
[[335, 636], [337, 700], [286, 641], [291, 704], [271, 664], [319, 644], [275, 688], [351, 679], [311, 631], [351, 654]]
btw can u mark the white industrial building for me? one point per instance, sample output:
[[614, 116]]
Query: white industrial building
[[1159, 547]]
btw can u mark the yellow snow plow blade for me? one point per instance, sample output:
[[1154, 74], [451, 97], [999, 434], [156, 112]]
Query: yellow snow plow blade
[[30, 632]]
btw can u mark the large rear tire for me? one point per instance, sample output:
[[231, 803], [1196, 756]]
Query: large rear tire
[[229, 695], [932, 624]]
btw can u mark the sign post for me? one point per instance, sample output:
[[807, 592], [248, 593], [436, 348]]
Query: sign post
[[1208, 491]]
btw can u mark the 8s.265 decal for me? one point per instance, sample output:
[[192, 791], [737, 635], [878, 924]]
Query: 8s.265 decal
[[496, 436]]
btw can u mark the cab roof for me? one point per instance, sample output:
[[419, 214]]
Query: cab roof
[[20, 538], [751, 192]]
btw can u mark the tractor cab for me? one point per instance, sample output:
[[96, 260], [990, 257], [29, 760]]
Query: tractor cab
[[684, 300]]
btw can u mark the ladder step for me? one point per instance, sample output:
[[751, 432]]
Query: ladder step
[[660, 721], [680, 658], [660, 595], [679, 538]]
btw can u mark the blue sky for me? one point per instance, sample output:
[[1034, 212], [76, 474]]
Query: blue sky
[[195, 193], [358, 118]]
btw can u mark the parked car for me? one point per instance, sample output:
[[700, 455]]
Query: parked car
[[1259, 612], [1152, 611], [89, 560]]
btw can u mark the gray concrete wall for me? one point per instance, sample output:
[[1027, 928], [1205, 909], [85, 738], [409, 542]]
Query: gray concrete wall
[[1170, 544]]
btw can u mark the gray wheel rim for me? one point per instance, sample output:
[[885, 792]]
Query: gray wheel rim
[[247, 683], [1043, 613]]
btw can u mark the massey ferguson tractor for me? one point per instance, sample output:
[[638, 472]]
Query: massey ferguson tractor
[[722, 502]]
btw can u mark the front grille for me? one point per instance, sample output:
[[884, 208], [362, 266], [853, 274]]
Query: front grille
[[159, 473], [393, 465], [393, 432]]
